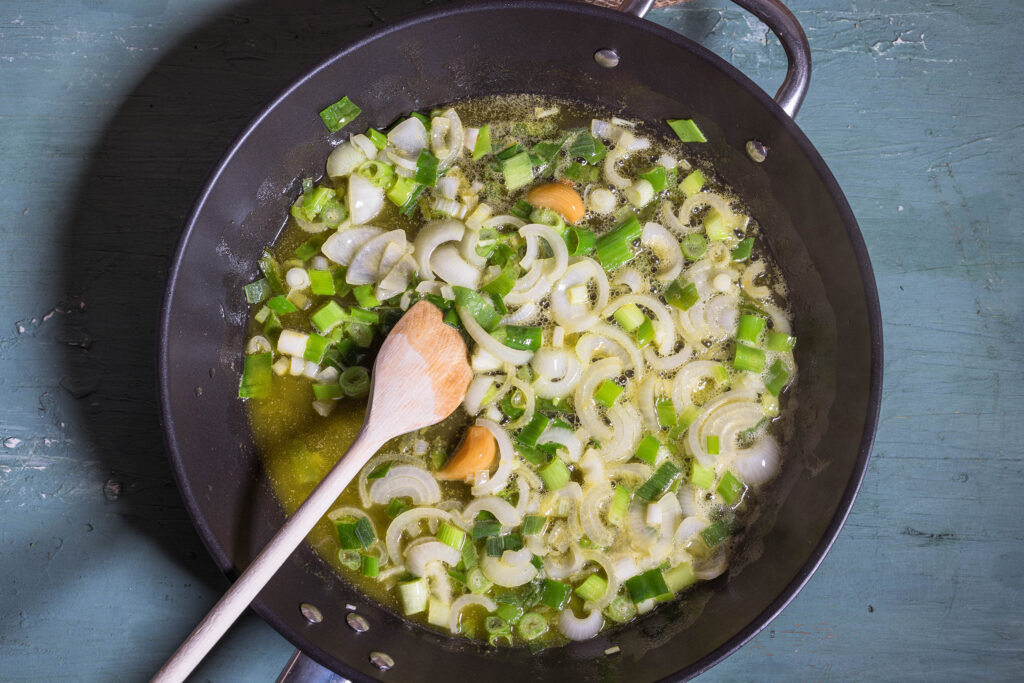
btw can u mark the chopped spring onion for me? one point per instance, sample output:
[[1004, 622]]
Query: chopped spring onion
[[630, 317], [555, 594], [692, 183], [485, 528], [327, 392], [370, 566], [619, 506], [363, 315], [313, 202], [512, 404], [504, 281], [716, 226], [347, 535], [687, 418], [477, 582], [712, 445], [495, 625], [258, 291], [321, 283], [693, 245], [666, 413], [620, 610], [687, 130], [679, 578], [657, 177], [403, 191], [720, 375], [645, 586], [364, 295], [748, 358], [730, 488], [510, 151], [272, 271], [359, 333], [702, 477], [592, 588], [750, 328], [355, 381], [681, 294], [482, 145], [521, 338], [414, 595], [534, 524], [328, 317], [645, 333], [716, 533], [780, 342], [379, 140], [470, 558], [615, 248], [479, 306], [426, 169], [585, 145], [509, 612], [555, 474], [660, 481], [777, 378], [532, 455], [310, 247], [580, 241], [580, 173], [532, 626], [495, 546], [451, 536], [529, 434], [648, 449], [333, 213], [607, 393], [256, 376], [380, 471], [423, 118], [315, 348], [377, 172], [743, 249], [364, 532], [281, 305], [350, 558], [512, 542], [518, 171], [339, 114]]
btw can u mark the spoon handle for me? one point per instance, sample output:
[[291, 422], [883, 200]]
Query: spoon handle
[[255, 577]]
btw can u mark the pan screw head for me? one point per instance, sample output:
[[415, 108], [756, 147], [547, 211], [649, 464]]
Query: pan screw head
[[357, 622], [607, 58], [757, 151], [381, 660], [311, 612]]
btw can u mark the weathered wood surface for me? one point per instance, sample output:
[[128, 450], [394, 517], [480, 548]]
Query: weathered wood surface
[[112, 111]]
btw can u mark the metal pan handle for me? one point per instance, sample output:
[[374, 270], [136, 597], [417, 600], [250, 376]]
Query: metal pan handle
[[789, 32]]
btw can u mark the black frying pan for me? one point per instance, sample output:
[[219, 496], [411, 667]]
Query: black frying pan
[[547, 48]]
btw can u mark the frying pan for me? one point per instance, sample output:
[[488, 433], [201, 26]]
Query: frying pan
[[617, 61]]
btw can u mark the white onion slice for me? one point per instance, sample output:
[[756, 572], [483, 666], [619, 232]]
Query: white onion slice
[[631, 279], [344, 159], [664, 327], [405, 481], [604, 562], [446, 138], [504, 220], [564, 437], [489, 343], [464, 601], [417, 558], [342, 245], [724, 417], [506, 456], [365, 200], [365, 264], [502, 510], [626, 428], [578, 317], [603, 369], [594, 501], [688, 380], [570, 563], [666, 247], [574, 628], [409, 138], [408, 521], [512, 569], [448, 265], [397, 279], [593, 467], [522, 315], [759, 463]]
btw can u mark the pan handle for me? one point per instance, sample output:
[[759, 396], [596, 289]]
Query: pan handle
[[789, 32]]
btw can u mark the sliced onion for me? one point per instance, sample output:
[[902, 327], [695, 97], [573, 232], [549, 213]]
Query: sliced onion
[[506, 456], [341, 246], [523, 487], [355, 513], [430, 237], [603, 369], [344, 159], [417, 558], [631, 279], [393, 253], [636, 472], [627, 431], [559, 251], [365, 264], [624, 146], [724, 417], [647, 396], [448, 265], [409, 138], [373, 463], [464, 601], [715, 201], [595, 500], [469, 139], [564, 437], [502, 510], [522, 315], [562, 386], [759, 463], [529, 398], [478, 388], [535, 284], [593, 467], [677, 228], [467, 249], [688, 380], [397, 279], [579, 317], [446, 138], [489, 343], [403, 481], [666, 363], [365, 200], [575, 628], [570, 563], [666, 247], [408, 521], [624, 342], [504, 220], [512, 569], [604, 562]]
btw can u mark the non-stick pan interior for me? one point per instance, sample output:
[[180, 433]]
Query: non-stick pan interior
[[535, 47]]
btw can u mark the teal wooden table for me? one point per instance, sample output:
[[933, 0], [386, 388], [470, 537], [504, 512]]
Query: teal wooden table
[[112, 112]]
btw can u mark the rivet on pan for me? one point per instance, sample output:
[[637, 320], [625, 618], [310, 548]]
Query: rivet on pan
[[311, 612], [757, 150], [381, 660], [607, 58], [357, 622]]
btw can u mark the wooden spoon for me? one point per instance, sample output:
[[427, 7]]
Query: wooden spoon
[[420, 378]]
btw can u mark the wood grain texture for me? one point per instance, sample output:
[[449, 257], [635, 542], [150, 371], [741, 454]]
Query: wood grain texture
[[113, 111]]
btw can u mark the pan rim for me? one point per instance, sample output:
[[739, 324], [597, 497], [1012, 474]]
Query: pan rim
[[853, 233]]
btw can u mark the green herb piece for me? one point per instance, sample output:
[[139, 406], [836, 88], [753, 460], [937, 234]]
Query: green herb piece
[[339, 114]]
